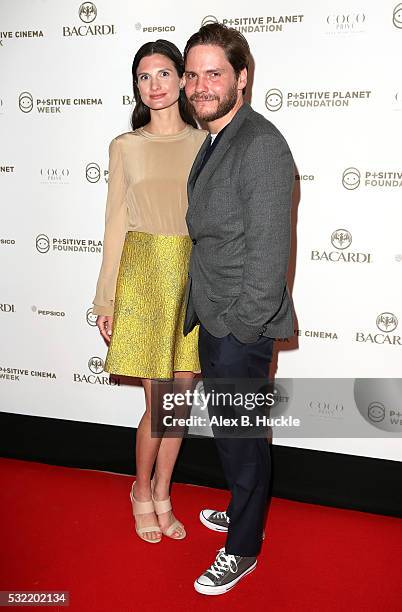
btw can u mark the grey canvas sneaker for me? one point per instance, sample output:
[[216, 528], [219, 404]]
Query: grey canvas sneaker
[[224, 573], [215, 520]]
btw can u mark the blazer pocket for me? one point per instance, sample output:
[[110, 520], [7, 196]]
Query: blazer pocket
[[221, 298]]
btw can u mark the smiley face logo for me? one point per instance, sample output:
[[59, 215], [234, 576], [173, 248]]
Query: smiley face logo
[[209, 19], [387, 322], [42, 243], [92, 172], [25, 102], [351, 178], [95, 364], [376, 412], [341, 239], [91, 317], [397, 16], [273, 99], [87, 12]]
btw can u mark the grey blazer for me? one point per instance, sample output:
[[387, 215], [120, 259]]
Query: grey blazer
[[239, 222]]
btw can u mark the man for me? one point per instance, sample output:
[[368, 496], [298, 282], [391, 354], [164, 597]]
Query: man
[[239, 189]]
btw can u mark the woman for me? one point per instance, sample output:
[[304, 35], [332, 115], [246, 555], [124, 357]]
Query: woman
[[140, 290]]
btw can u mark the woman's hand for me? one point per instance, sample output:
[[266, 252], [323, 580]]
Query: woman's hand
[[105, 325]]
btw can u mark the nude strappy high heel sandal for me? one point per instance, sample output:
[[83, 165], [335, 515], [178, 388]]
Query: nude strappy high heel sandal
[[164, 506], [143, 508]]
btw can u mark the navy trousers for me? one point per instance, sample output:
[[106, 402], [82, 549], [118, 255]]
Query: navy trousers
[[246, 461]]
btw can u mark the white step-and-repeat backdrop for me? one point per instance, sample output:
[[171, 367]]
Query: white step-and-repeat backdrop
[[328, 75]]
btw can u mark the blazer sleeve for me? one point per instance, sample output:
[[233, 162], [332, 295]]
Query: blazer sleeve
[[267, 177], [116, 222]]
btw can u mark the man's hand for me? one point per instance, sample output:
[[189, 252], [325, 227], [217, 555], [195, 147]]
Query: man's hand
[[105, 325]]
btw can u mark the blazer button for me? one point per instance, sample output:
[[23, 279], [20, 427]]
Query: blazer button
[[194, 241]]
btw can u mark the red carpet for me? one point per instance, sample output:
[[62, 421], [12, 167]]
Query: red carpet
[[69, 529]]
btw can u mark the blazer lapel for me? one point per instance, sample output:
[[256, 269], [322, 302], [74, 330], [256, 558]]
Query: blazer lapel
[[194, 168], [195, 190]]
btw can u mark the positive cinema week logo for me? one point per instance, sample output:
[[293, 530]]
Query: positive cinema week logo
[[93, 173], [341, 240], [27, 103], [88, 14], [275, 99]]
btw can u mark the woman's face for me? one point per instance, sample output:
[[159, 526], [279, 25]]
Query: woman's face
[[158, 81]]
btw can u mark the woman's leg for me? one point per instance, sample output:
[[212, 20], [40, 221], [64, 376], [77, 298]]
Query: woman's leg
[[167, 455], [146, 451]]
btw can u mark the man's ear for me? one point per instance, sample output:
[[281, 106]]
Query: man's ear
[[242, 80]]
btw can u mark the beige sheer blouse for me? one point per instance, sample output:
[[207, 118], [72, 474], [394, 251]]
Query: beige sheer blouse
[[147, 192]]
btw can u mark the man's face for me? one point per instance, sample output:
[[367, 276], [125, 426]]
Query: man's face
[[211, 84]]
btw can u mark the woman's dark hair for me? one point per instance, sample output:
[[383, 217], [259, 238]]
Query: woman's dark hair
[[141, 113], [230, 40]]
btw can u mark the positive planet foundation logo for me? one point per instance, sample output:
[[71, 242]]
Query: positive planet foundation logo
[[260, 24], [341, 239], [42, 243], [397, 16], [351, 178], [72, 245], [209, 19], [275, 99]]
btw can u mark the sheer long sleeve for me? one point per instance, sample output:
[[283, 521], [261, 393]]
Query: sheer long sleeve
[[116, 223]]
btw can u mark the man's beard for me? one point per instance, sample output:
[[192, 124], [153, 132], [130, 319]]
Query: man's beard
[[224, 106]]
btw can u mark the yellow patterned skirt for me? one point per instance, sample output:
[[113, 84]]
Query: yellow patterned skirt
[[147, 337]]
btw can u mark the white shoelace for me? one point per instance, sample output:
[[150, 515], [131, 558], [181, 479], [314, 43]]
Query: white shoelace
[[222, 564], [222, 515]]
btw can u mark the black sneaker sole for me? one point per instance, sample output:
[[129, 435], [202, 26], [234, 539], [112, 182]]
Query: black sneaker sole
[[211, 525], [220, 590]]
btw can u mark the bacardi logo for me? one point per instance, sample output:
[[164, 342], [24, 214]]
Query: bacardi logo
[[341, 239], [386, 322]]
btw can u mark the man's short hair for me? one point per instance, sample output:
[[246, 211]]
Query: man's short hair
[[233, 43]]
